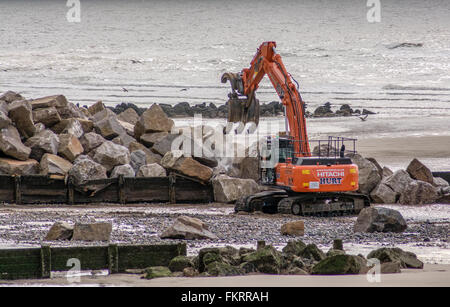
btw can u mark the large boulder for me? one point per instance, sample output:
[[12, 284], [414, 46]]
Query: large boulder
[[312, 252], [151, 157], [110, 155], [5, 121], [179, 263], [418, 192], [151, 170], [188, 228], [129, 116], [109, 127], [54, 165], [149, 139], [337, 265], [137, 160], [228, 189], [47, 116], [377, 219], [383, 194], [398, 181], [41, 143], [21, 114], [10, 96], [152, 120], [100, 231], [86, 124], [59, 231], [69, 126], [122, 170], [266, 260], [369, 176], [70, 111], [20, 168], [11, 144], [57, 101], [406, 259], [91, 141], [176, 161], [85, 169], [166, 144], [69, 147], [294, 247], [96, 107], [417, 170]]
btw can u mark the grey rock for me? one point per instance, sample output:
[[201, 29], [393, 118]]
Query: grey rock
[[418, 192], [47, 116], [188, 228], [21, 115], [10, 96], [369, 176], [406, 259], [59, 231], [227, 189], [42, 143], [377, 219], [152, 120], [110, 155], [417, 170], [11, 144], [383, 194], [56, 101], [124, 170], [54, 165], [91, 141], [99, 231], [151, 170], [69, 147], [20, 168], [85, 169]]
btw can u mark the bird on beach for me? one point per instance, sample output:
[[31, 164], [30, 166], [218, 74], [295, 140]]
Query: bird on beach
[[124, 89]]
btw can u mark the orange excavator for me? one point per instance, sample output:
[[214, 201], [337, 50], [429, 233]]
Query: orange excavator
[[305, 184]]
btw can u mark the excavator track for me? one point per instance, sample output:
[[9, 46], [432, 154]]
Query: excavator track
[[307, 204]]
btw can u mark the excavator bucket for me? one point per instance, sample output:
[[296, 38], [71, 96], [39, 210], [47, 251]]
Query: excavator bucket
[[243, 110], [240, 108]]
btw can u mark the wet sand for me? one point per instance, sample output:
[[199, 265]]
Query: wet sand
[[431, 276], [396, 152]]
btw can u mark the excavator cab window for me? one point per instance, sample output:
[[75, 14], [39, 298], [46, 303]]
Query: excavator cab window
[[286, 150]]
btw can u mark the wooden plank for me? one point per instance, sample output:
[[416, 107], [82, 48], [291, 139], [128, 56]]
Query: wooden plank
[[190, 191], [20, 263], [146, 189], [46, 261], [138, 257], [17, 193], [107, 195], [42, 189], [7, 189], [90, 257]]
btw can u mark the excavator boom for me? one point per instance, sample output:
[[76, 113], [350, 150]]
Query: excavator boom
[[243, 106]]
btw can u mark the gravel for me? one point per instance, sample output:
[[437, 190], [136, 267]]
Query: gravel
[[427, 233]]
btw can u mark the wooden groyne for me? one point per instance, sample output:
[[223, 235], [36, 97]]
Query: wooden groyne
[[31, 263], [47, 190]]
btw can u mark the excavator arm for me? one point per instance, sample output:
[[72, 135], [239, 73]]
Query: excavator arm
[[244, 107]]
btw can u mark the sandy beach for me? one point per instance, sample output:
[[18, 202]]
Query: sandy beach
[[430, 276]]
